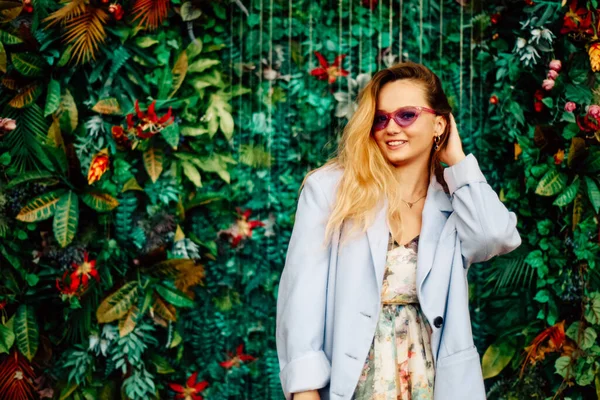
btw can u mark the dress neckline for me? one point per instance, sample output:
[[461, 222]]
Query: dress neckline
[[407, 244]]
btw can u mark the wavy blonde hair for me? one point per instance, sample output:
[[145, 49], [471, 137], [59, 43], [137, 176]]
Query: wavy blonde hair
[[367, 175]]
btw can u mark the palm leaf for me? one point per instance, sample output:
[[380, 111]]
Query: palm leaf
[[118, 304], [25, 142], [511, 271], [86, 33], [150, 13], [41, 207], [72, 9], [66, 218], [26, 331]]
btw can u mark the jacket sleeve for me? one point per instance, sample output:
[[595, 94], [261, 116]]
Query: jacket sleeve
[[300, 325], [484, 225]]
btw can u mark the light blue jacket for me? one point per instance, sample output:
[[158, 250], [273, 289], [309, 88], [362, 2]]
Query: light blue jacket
[[328, 303]]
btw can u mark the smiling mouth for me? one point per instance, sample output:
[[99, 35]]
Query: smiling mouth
[[395, 143]]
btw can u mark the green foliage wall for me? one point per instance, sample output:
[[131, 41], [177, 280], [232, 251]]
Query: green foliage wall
[[151, 155]]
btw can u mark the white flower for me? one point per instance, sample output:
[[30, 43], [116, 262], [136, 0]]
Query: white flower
[[347, 105]]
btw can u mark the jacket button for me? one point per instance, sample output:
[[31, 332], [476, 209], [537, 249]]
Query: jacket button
[[438, 321]]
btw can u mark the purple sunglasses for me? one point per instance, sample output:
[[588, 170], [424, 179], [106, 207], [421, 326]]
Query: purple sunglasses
[[404, 116]]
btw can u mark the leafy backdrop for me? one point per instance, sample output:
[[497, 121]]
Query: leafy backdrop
[[151, 153]]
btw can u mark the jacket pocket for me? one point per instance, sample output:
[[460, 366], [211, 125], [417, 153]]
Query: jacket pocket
[[459, 357]]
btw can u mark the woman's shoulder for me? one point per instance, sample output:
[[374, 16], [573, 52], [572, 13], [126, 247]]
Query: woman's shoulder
[[328, 175]]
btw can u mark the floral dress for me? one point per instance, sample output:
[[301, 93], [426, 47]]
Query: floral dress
[[400, 363]]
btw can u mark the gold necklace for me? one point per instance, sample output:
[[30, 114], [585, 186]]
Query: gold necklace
[[409, 204]]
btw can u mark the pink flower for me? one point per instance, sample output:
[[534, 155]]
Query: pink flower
[[552, 74], [555, 65], [7, 124], [548, 84], [570, 106], [594, 110]]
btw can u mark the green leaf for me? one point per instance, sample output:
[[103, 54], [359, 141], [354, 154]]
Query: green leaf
[[202, 65], [548, 101], [26, 330], [171, 135], [41, 207], [7, 336], [592, 162], [542, 296], [66, 218], [562, 365], [579, 94], [593, 193], [568, 116], [99, 201], [52, 97], [33, 176], [592, 309], [496, 358], [117, 305], [551, 183], [568, 195], [192, 173], [28, 64], [174, 296], [7, 38], [589, 338]]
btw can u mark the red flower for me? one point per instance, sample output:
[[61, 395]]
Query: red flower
[[588, 123], [120, 137], [494, 99], [116, 10], [577, 20], [78, 278], [98, 166], [537, 102], [148, 124], [191, 390], [237, 359], [242, 228], [495, 18], [329, 72]]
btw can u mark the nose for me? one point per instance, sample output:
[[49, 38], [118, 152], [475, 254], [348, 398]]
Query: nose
[[392, 127]]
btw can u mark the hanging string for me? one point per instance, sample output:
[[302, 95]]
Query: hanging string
[[420, 31], [270, 110], [460, 102], [471, 73], [400, 20], [390, 28], [360, 54], [370, 39], [379, 32], [352, 72], [440, 50], [339, 34]]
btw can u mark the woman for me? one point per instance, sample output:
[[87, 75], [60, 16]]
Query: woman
[[384, 314]]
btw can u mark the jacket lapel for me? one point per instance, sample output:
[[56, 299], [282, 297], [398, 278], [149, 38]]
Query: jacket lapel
[[433, 219]]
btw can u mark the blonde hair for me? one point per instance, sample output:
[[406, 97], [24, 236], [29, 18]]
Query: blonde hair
[[367, 175]]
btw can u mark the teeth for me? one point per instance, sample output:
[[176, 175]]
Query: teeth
[[396, 142]]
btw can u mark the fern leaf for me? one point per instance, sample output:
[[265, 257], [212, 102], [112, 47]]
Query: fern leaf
[[150, 13], [86, 33]]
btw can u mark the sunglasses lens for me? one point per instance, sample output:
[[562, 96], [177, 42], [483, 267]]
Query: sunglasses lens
[[405, 117], [380, 122]]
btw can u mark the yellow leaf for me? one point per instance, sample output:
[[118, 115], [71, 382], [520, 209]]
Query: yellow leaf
[[131, 184], [108, 106], [127, 324], [55, 138], [179, 235], [164, 309], [153, 161], [118, 304], [179, 71]]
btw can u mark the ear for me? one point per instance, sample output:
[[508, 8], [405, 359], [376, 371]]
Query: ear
[[439, 124]]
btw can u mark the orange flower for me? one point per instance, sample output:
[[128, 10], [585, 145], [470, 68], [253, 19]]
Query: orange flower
[[549, 340], [559, 157], [518, 150], [98, 166], [120, 137], [237, 359]]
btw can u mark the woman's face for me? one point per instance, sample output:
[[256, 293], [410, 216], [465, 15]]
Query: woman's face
[[416, 139]]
